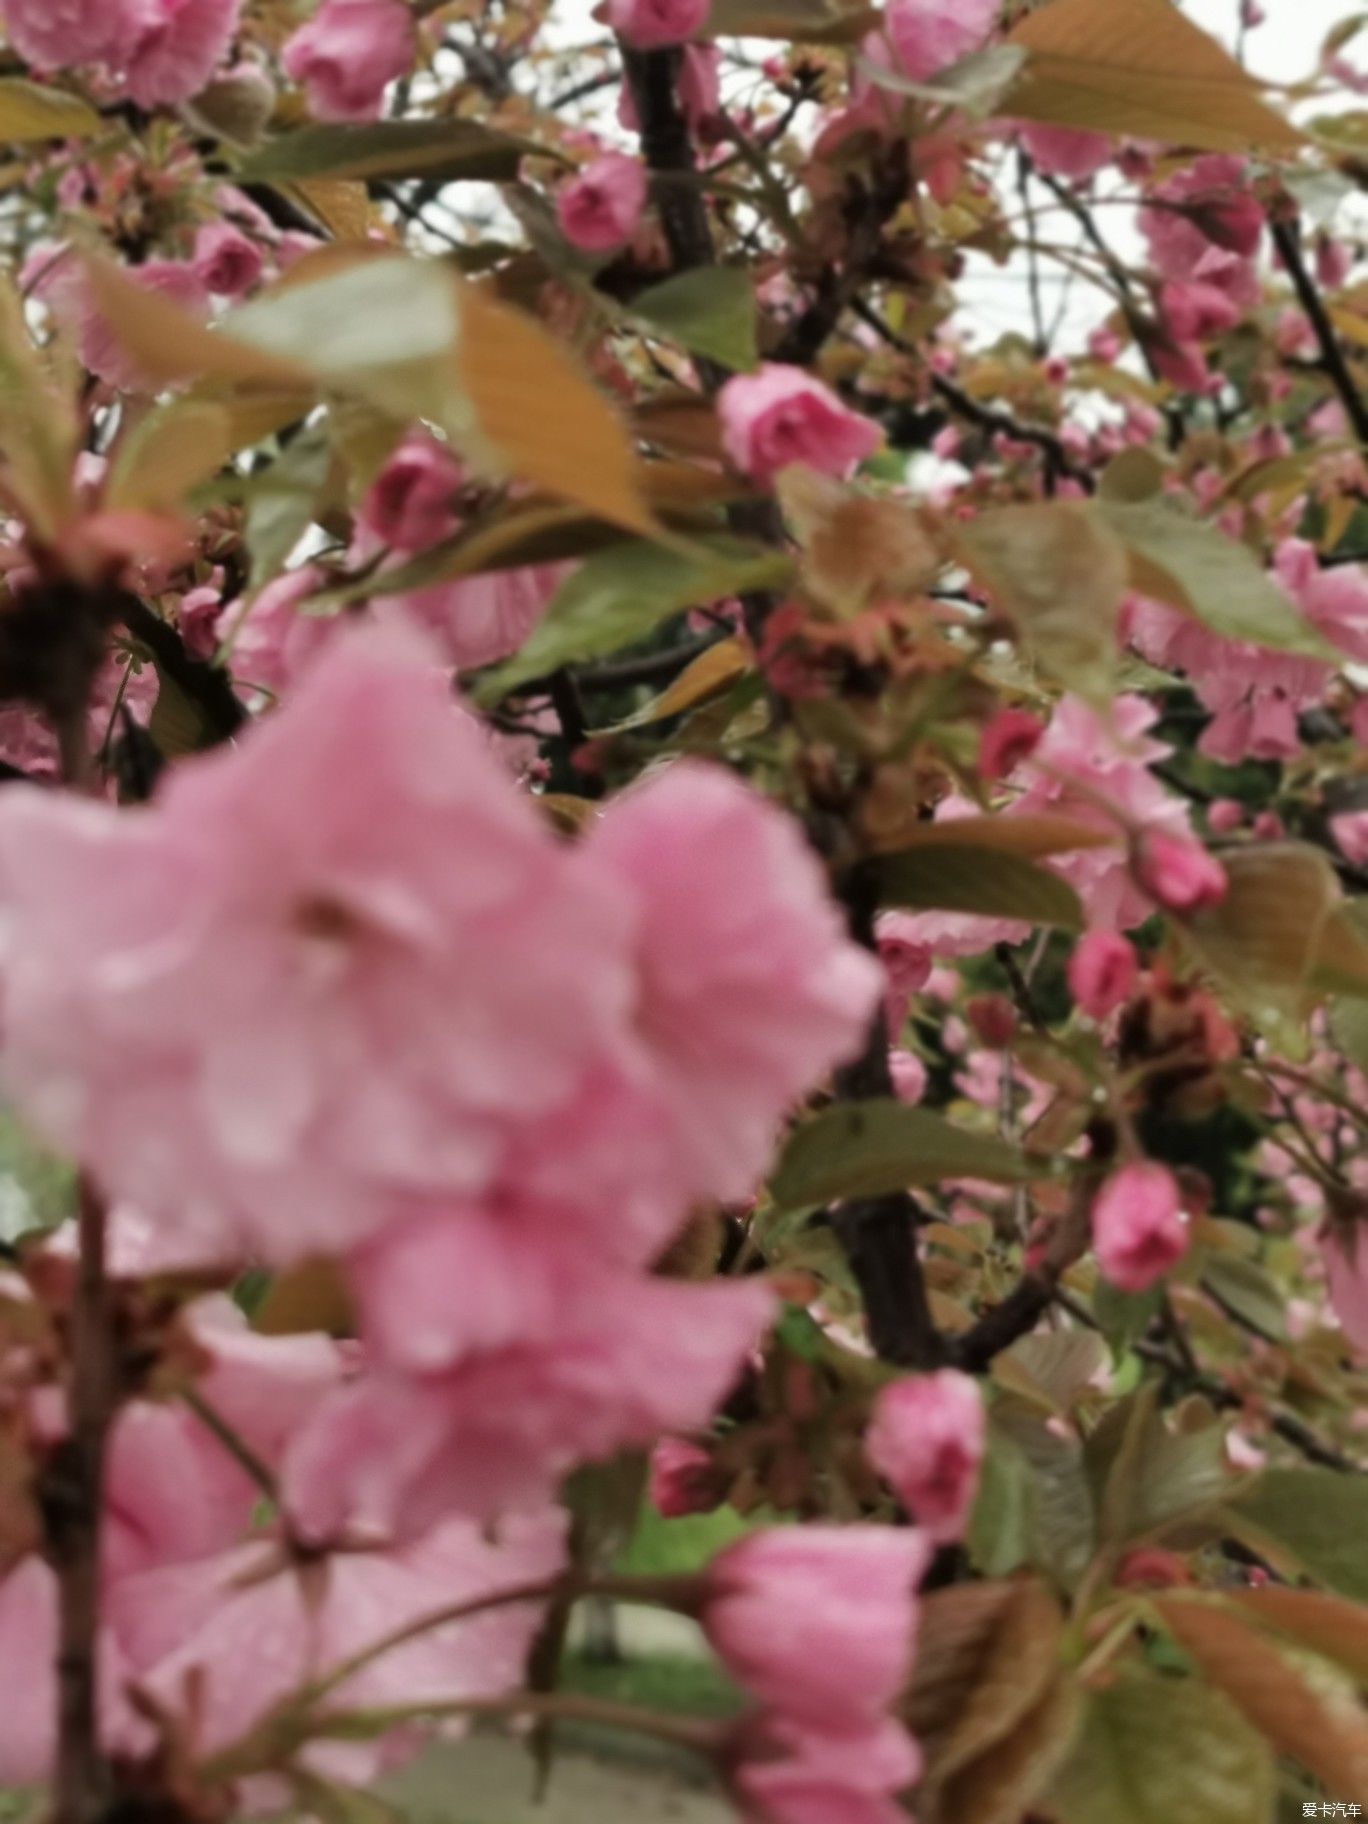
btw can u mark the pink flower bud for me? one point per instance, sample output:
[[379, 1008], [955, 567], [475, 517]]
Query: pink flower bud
[[683, 1479], [818, 1621], [1178, 873], [1224, 815], [1007, 738], [226, 262], [1102, 973], [926, 1440], [1140, 1229], [781, 415], [409, 505], [599, 208], [648, 24]]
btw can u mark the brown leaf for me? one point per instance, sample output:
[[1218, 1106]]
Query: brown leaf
[[712, 671], [310, 1296], [1031, 836], [169, 344], [541, 415], [1140, 67], [1330, 1739], [855, 547], [1328, 1625], [997, 1787], [987, 1655]]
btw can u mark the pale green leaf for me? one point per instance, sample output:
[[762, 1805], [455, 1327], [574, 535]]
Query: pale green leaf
[[32, 111], [283, 500], [710, 311], [864, 1149], [1158, 1750], [1310, 1520]]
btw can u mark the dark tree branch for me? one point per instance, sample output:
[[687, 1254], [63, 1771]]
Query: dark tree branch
[[208, 687], [1287, 240]]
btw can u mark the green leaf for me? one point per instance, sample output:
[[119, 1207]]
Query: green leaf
[[969, 878], [1310, 1520], [974, 84], [620, 595], [282, 502], [710, 311], [1197, 569], [863, 1149], [1060, 573], [1063, 1522], [1000, 1532], [31, 111], [1052, 1369], [1349, 1028], [1155, 1750], [1124, 1316], [1248, 1291], [443, 150]]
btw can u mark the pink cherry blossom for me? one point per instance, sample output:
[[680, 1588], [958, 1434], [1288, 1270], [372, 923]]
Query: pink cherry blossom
[[733, 916], [227, 262], [1102, 972], [1178, 873], [792, 1772], [1066, 151], [280, 957], [926, 1439], [927, 35], [409, 505], [781, 415], [1334, 600], [218, 1641], [906, 959], [1140, 1229], [908, 1075], [476, 620], [648, 24], [1006, 739], [819, 1622], [599, 207], [1193, 312], [174, 48], [1345, 1255], [28, 1640], [271, 644], [348, 54], [56, 276], [484, 1391], [1350, 831], [1204, 210], [61, 34]]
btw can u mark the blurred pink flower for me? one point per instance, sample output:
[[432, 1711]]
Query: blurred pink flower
[[781, 415], [1343, 1250], [599, 208], [926, 1439], [908, 1074], [791, 1772], [928, 35], [1139, 1227], [1067, 152], [1178, 873], [648, 24], [60, 34], [1350, 831], [410, 503], [1008, 737], [227, 262], [174, 47], [819, 1622], [683, 1479], [1102, 971], [348, 54]]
